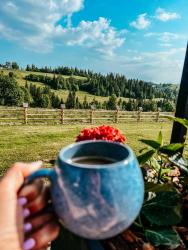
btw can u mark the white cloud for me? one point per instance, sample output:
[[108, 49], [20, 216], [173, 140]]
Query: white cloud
[[39, 26], [8, 32], [157, 66], [161, 66], [97, 34], [37, 16], [165, 37], [142, 22], [165, 16]]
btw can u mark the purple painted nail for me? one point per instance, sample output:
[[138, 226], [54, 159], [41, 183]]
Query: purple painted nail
[[27, 227], [29, 244], [22, 201], [26, 213]]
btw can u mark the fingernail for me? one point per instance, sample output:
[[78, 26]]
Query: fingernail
[[22, 201], [27, 227], [29, 244], [26, 213], [37, 163]]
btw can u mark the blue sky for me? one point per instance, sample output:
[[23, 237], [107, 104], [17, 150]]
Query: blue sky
[[138, 38]]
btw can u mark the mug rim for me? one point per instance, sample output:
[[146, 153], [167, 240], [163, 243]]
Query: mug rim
[[96, 166]]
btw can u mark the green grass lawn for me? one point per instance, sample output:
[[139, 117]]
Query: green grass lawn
[[31, 143]]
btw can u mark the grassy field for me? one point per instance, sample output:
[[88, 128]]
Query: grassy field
[[30, 143]]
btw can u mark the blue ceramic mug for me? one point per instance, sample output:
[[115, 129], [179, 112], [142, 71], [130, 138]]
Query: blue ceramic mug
[[95, 200]]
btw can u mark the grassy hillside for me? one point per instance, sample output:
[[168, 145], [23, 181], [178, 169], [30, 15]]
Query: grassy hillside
[[20, 74], [169, 89]]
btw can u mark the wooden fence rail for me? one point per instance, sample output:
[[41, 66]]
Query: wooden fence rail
[[18, 116]]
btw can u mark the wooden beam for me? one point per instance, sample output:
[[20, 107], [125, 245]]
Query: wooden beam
[[179, 131]]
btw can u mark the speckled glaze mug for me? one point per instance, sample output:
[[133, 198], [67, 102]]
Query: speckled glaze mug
[[95, 201]]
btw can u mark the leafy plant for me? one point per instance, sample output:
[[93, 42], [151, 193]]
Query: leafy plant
[[165, 172], [158, 148]]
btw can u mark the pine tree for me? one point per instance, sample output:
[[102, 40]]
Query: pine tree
[[26, 95], [85, 103], [10, 93], [15, 65], [55, 101], [71, 99], [112, 102], [45, 101], [77, 103], [28, 68]]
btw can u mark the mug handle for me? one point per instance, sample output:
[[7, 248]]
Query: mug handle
[[45, 172]]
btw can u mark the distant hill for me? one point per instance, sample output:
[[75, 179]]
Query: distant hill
[[91, 88], [20, 78]]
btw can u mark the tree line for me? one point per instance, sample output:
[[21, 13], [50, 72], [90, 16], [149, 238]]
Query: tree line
[[9, 65], [97, 83], [108, 85], [12, 94], [56, 82]]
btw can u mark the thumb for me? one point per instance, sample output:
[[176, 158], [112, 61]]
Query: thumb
[[14, 178]]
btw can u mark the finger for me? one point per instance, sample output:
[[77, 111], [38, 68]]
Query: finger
[[14, 178], [40, 202], [31, 191], [43, 236], [37, 222]]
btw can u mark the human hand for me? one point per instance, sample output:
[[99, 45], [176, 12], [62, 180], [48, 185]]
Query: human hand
[[23, 224]]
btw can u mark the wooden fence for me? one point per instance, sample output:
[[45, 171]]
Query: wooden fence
[[31, 116]]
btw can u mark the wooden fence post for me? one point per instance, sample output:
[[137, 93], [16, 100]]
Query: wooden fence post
[[93, 107], [25, 106], [91, 116], [158, 114], [116, 115], [62, 113], [140, 109]]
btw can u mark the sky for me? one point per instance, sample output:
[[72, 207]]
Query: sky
[[144, 39]]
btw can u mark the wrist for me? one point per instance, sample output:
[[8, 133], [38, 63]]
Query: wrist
[[8, 241]]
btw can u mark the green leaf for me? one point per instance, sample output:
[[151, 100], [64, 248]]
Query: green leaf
[[155, 164], [164, 209], [165, 170], [143, 149], [171, 148], [166, 237], [146, 156], [154, 187], [182, 121], [160, 138], [151, 143]]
